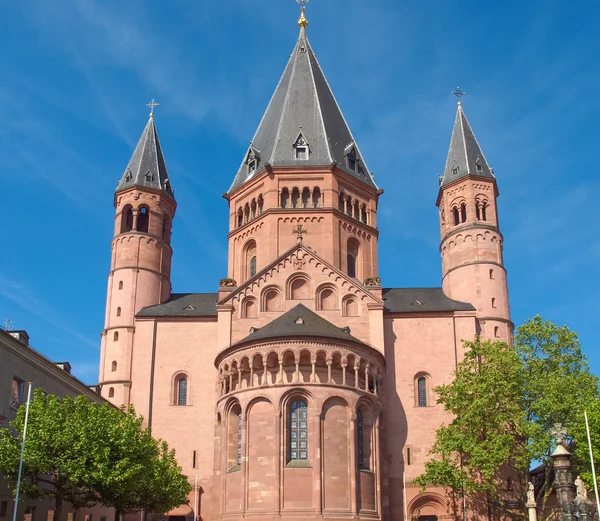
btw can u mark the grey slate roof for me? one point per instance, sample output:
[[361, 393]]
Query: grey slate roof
[[397, 300], [464, 156], [183, 305], [147, 164], [299, 322], [415, 300], [303, 105]]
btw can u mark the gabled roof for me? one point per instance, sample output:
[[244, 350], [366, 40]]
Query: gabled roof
[[415, 300], [184, 305], [465, 156], [299, 322], [303, 103], [147, 167]]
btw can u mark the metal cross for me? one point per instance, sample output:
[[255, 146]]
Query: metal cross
[[458, 93], [152, 106], [559, 432], [302, 3]]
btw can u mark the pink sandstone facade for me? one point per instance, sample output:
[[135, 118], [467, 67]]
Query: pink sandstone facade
[[302, 388]]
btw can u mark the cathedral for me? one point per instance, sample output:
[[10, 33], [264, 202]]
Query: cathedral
[[303, 387]]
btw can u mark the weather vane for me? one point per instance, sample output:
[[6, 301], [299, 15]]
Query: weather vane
[[152, 106], [459, 93], [302, 22]]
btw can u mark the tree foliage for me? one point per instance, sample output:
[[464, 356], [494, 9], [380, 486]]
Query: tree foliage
[[85, 453], [504, 401]]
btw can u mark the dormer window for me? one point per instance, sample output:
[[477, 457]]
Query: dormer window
[[301, 151], [252, 161], [149, 177], [128, 177], [478, 165], [454, 169]]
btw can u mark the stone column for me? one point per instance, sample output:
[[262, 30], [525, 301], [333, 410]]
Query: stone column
[[251, 382], [356, 368], [313, 377], [344, 365], [329, 362], [239, 378], [565, 489], [367, 377], [280, 374], [297, 375], [230, 382], [135, 216]]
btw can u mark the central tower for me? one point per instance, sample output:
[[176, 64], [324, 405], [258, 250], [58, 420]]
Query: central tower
[[303, 173]]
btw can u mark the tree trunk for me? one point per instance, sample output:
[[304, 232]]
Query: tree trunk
[[118, 515], [58, 506]]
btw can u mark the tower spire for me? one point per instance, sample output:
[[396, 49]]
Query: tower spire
[[147, 167], [465, 156]]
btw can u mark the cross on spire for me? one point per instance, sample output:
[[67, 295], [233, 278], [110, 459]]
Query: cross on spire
[[459, 94], [302, 22], [152, 106]]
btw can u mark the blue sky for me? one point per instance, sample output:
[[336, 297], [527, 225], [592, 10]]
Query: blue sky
[[75, 76]]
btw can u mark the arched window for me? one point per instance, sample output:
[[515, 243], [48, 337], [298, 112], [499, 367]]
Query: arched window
[[253, 207], [298, 431], [111, 392], [493, 302], [363, 213], [285, 196], [463, 213], [127, 219], [349, 206], [120, 284], [342, 202], [118, 312], [422, 391], [250, 259], [240, 217], [271, 300], [350, 307], [305, 198], [246, 212], [456, 215], [299, 288], [364, 428], [295, 197], [327, 299], [234, 449], [114, 366], [491, 274], [261, 203], [115, 336], [359, 439], [143, 219], [496, 330], [182, 390], [352, 258], [249, 308], [316, 198], [484, 211]]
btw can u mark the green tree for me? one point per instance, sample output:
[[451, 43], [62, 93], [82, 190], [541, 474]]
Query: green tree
[[581, 450], [504, 401], [85, 453]]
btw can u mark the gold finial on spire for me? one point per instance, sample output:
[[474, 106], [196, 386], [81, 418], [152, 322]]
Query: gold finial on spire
[[302, 21], [152, 106], [459, 94]]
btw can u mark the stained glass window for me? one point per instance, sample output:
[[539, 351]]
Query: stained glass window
[[422, 391], [298, 430], [253, 266], [359, 439], [182, 391], [239, 438]]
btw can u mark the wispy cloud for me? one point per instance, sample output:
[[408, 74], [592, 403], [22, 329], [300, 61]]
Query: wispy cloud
[[29, 302]]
